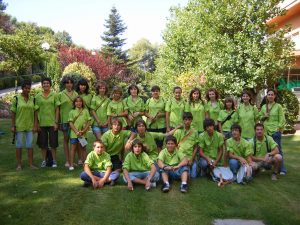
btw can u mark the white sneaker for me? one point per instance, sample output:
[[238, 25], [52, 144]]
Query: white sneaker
[[153, 185], [71, 168], [43, 164], [54, 165]]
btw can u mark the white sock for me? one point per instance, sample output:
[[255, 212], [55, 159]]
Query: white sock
[[183, 182], [167, 183]]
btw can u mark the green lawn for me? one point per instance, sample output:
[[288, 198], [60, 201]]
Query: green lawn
[[55, 196]]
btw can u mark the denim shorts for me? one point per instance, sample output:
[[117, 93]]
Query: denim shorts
[[74, 141], [176, 175], [65, 126], [97, 129], [28, 139]]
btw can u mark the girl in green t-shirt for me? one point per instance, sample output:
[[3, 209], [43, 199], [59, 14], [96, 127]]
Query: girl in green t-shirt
[[99, 110], [196, 107], [135, 105], [117, 108], [79, 120], [213, 105]]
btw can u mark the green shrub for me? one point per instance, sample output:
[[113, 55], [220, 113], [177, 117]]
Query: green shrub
[[36, 78], [290, 105], [2, 85], [9, 82]]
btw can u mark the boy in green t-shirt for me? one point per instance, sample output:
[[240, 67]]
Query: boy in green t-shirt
[[239, 150], [211, 147], [173, 165], [265, 152], [98, 167], [138, 168]]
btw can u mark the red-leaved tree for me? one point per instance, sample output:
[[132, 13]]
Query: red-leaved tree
[[104, 68]]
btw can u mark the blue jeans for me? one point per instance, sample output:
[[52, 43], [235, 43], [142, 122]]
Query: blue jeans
[[277, 138], [113, 176], [28, 139], [193, 170], [176, 175], [234, 165], [97, 129], [142, 175]]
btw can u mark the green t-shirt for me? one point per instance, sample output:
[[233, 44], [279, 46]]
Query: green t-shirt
[[171, 159], [214, 111], [81, 118], [100, 104], [117, 108], [188, 144], [98, 163], [261, 146], [24, 112], [66, 104], [115, 143], [241, 149], [198, 111], [276, 119], [141, 162], [46, 107], [149, 142], [87, 99], [223, 114], [134, 106], [176, 110], [155, 106], [247, 116], [210, 145]]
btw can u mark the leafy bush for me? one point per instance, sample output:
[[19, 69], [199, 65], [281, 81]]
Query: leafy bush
[[36, 78], [290, 104]]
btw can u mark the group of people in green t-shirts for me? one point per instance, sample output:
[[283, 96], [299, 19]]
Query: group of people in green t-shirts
[[152, 140]]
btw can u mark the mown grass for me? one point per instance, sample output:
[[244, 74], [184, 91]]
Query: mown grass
[[55, 196]]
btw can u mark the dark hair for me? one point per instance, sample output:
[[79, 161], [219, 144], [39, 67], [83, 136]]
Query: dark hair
[[46, 79], [259, 125], [155, 88], [187, 115], [191, 95], [138, 142], [212, 90], [100, 84], [132, 86], [66, 79], [235, 126], [229, 99], [116, 120], [25, 83], [83, 82], [78, 97], [208, 123], [171, 138], [245, 92], [175, 88], [140, 121]]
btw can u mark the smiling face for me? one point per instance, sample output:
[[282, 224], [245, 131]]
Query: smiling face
[[259, 132], [82, 88], [212, 96], [228, 105], [171, 146], [236, 134], [26, 90], [245, 98], [116, 127], [133, 91], [102, 90], [137, 149], [117, 95], [210, 130], [271, 96], [155, 94], [46, 85], [177, 93], [196, 95], [99, 148], [141, 129], [78, 103]]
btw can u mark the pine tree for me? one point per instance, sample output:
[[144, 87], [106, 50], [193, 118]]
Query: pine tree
[[112, 37]]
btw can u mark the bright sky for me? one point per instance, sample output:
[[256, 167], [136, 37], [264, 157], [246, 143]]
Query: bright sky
[[84, 19]]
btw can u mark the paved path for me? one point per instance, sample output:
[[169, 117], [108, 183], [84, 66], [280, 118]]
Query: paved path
[[237, 222], [4, 92]]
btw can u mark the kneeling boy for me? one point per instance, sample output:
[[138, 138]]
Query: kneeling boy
[[173, 164], [97, 167]]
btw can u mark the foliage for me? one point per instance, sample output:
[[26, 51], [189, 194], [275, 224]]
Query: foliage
[[189, 80], [229, 42], [103, 68], [54, 70], [82, 69], [290, 105], [20, 49], [63, 38], [36, 78], [112, 37], [144, 54]]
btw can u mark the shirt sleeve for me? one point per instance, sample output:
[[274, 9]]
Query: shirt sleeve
[[168, 106], [126, 163], [108, 162], [71, 116], [161, 156]]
